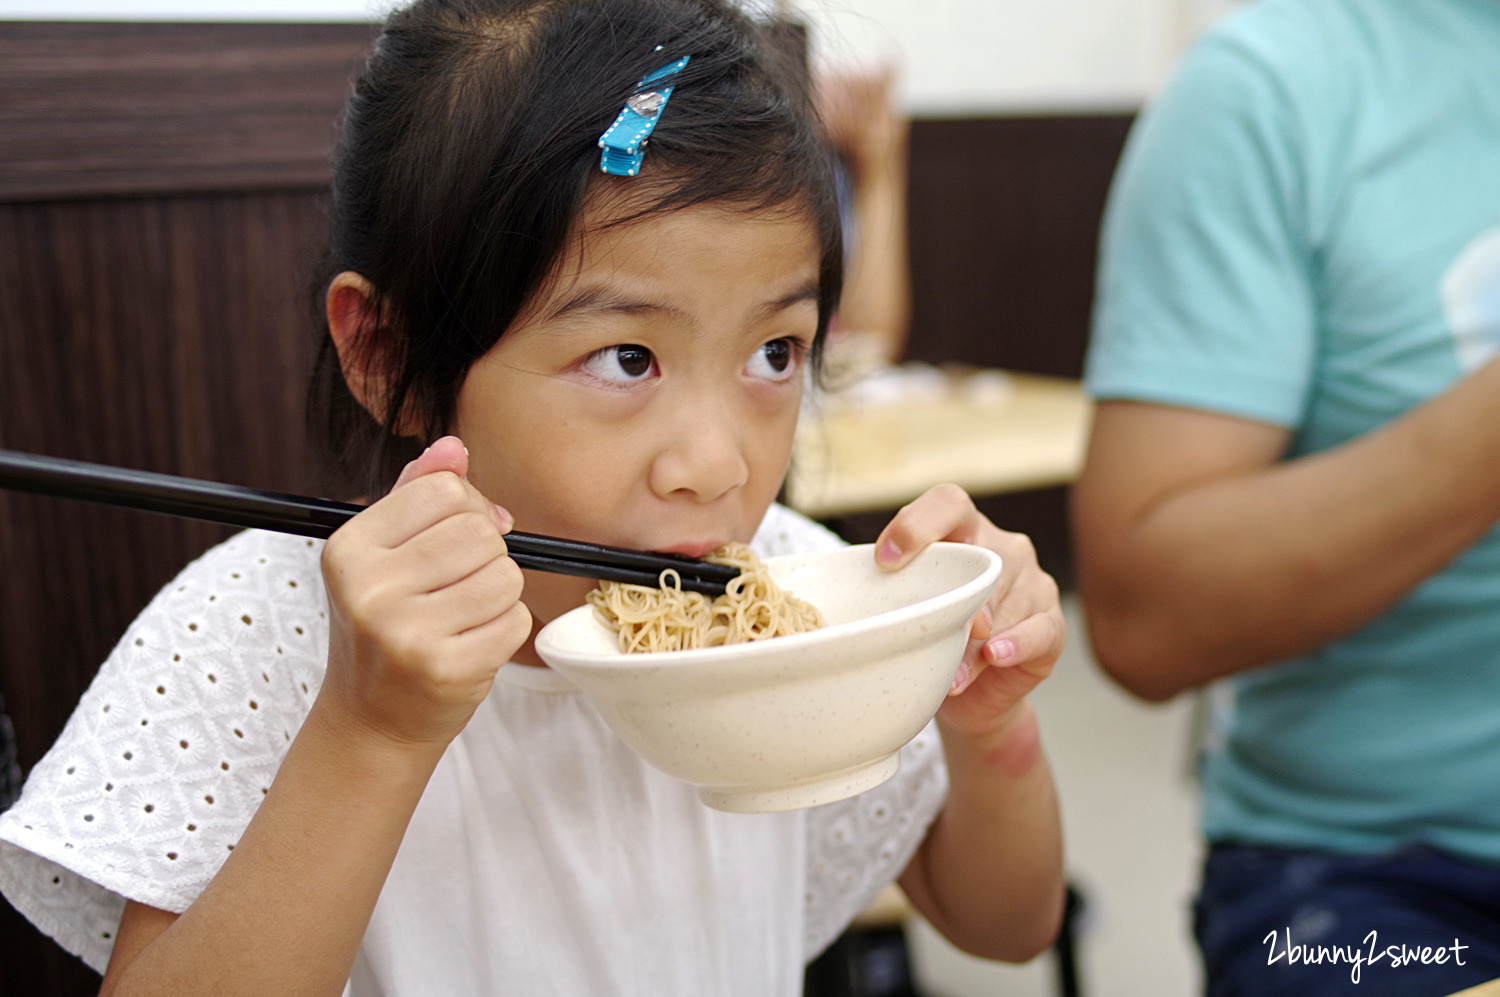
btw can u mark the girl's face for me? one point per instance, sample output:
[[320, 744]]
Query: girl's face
[[648, 395]]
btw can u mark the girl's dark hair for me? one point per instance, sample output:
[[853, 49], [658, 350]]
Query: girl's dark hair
[[467, 148]]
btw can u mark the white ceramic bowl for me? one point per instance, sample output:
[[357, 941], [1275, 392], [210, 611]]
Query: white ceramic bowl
[[793, 721]]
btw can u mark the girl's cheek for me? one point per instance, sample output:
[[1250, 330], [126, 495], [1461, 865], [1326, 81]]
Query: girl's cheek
[[778, 418], [775, 398], [577, 387]]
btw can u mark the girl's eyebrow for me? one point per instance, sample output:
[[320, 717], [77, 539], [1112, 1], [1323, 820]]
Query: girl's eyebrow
[[808, 292], [604, 299]]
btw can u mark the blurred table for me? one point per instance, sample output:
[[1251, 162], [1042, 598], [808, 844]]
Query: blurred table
[[986, 431]]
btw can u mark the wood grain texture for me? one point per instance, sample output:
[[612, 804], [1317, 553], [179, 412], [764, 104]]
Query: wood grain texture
[[1004, 231], [169, 334], [164, 334], [111, 108]]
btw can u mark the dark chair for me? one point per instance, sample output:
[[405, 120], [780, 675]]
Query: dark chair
[[871, 961], [10, 772]]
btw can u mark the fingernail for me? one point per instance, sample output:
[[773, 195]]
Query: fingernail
[[1001, 649], [960, 680], [466, 451], [888, 552], [506, 519]]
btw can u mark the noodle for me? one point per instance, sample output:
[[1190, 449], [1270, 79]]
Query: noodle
[[669, 619]]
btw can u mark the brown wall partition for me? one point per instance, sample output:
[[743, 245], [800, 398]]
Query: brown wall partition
[[161, 197], [160, 205]]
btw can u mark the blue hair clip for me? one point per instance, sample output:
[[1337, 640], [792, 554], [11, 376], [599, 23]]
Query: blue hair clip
[[623, 141]]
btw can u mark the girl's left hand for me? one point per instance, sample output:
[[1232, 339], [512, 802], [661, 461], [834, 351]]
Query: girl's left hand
[[1015, 638]]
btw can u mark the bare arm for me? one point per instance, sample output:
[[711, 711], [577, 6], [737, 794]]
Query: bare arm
[[871, 133], [423, 608], [988, 875], [877, 298], [1200, 555]]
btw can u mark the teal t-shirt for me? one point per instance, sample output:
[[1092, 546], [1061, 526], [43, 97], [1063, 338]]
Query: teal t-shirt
[[1305, 231]]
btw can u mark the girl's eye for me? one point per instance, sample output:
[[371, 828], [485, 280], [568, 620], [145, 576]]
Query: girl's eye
[[775, 361], [622, 364]]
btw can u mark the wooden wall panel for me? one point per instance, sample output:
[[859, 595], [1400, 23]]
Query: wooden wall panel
[[1004, 226], [169, 334], [164, 334], [112, 108]]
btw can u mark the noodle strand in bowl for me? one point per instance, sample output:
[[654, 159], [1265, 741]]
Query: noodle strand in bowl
[[752, 607]]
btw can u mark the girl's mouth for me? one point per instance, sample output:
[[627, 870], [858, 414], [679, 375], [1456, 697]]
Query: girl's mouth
[[692, 548]]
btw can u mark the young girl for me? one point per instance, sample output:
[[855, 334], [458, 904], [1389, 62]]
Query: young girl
[[304, 770]]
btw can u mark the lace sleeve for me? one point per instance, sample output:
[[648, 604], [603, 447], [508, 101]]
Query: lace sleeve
[[172, 747], [856, 846]]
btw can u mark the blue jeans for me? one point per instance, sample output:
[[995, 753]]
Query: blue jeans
[[1292, 923]]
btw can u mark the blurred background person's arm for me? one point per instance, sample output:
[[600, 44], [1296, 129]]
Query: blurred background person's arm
[[870, 134], [1200, 554]]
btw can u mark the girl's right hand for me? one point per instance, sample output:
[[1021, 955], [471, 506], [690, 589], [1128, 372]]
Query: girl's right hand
[[424, 604]]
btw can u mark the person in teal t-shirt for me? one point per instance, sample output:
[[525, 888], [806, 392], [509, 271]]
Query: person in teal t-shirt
[[1293, 485]]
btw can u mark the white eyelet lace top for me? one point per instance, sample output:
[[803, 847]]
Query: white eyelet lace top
[[545, 858]]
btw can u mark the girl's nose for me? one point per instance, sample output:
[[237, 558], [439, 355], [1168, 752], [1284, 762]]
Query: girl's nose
[[702, 456]]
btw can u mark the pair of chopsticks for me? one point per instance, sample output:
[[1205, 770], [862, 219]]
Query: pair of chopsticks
[[252, 508]]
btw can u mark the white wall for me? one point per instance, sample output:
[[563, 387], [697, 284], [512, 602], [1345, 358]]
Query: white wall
[[958, 56], [978, 56]]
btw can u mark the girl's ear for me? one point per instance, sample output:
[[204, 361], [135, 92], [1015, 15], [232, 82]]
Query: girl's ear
[[353, 314]]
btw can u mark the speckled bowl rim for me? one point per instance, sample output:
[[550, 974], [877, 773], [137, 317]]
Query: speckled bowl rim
[[751, 650]]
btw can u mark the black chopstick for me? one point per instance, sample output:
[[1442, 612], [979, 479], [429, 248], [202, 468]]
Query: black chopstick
[[234, 505]]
